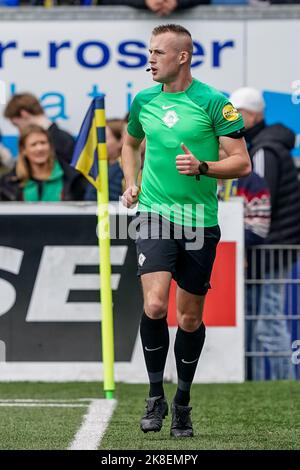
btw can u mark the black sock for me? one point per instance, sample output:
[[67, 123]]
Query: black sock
[[187, 348], [155, 341]]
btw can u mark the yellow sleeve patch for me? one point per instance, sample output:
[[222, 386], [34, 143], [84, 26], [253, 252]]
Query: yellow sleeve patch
[[230, 113]]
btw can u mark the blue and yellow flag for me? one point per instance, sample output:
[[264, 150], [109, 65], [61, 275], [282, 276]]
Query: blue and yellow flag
[[90, 144]]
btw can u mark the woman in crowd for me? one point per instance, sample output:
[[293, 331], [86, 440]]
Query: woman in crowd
[[38, 176]]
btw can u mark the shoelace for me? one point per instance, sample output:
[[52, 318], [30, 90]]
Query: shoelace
[[150, 405], [152, 409]]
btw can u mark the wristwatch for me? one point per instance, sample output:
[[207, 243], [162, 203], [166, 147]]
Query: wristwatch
[[202, 168]]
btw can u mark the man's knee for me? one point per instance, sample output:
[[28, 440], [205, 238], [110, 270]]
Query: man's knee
[[155, 306], [189, 322]]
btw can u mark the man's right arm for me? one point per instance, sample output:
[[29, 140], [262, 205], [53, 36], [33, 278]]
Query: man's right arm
[[131, 165]]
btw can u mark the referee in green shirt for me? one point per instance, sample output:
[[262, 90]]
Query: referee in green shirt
[[183, 121]]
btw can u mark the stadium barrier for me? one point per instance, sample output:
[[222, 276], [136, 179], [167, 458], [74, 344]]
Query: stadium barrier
[[272, 312]]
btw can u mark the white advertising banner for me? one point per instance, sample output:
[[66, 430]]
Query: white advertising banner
[[66, 63], [272, 55]]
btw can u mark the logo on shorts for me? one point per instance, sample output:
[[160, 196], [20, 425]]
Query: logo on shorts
[[142, 258], [230, 113], [170, 118]]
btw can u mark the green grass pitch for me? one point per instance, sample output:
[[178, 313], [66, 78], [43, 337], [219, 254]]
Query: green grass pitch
[[261, 415]]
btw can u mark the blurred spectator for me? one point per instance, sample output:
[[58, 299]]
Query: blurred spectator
[[50, 3], [38, 176], [25, 109], [6, 159], [269, 148], [284, 2], [114, 139], [161, 7]]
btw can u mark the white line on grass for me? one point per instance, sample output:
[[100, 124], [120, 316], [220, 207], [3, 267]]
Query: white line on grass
[[49, 400], [48, 405], [94, 425]]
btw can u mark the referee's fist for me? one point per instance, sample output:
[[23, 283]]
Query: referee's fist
[[130, 196]]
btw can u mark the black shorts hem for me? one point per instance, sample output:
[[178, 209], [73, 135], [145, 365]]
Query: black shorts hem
[[198, 291], [154, 269]]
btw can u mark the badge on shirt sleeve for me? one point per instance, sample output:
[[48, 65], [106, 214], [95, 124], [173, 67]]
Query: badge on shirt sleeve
[[230, 113]]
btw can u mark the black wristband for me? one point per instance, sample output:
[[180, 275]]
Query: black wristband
[[203, 168]]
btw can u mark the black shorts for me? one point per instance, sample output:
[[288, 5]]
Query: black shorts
[[187, 253]]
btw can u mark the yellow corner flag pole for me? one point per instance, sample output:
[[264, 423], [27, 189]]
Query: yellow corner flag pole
[[48, 3], [104, 246]]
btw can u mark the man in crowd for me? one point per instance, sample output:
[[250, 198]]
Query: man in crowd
[[24, 109]]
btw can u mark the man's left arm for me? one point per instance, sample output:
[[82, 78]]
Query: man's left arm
[[236, 164], [228, 126]]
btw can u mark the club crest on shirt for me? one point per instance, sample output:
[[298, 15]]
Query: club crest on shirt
[[170, 118], [230, 113]]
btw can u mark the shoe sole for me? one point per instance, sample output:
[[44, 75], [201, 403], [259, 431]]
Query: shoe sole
[[181, 437]]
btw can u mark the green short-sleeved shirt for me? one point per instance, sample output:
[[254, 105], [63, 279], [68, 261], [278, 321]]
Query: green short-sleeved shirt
[[196, 116]]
